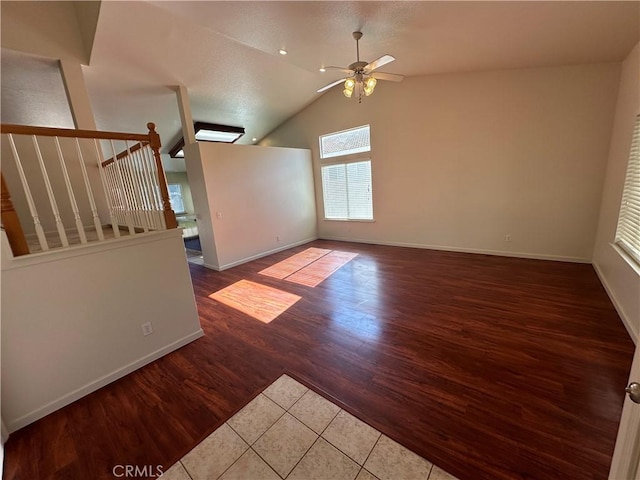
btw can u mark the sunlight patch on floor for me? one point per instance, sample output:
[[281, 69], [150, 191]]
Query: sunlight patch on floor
[[259, 301]]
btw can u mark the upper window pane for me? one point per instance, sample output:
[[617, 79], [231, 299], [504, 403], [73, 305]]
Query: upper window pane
[[354, 140]]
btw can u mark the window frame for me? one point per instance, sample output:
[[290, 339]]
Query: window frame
[[626, 239], [351, 152], [359, 156], [354, 158]]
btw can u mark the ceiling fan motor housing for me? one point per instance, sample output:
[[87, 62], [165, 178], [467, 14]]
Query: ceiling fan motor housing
[[358, 67]]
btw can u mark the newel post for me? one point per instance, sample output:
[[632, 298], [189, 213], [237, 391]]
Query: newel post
[[154, 142], [11, 223]]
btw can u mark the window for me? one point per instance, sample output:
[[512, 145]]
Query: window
[[628, 231], [347, 142], [346, 185], [175, 197], [346, 189]]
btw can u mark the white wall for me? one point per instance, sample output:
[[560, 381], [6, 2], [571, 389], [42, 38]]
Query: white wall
[[51, 29], [200, 196], [71, 321], [616, 271], [260, 199], [461, 160]]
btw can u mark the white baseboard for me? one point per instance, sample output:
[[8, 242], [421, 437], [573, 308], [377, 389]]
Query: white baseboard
[[612, 296], [260, 255], [17, 423], [500, 253]]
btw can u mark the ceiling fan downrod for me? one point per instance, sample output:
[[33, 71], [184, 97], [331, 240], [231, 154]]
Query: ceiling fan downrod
[[357, 36]]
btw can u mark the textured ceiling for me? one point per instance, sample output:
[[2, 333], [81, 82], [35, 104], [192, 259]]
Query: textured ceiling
[[226, 53]]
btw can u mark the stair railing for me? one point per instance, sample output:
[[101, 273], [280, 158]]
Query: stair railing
[[128, 191]]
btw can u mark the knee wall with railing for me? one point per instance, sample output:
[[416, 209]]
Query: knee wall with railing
[[62, 187]]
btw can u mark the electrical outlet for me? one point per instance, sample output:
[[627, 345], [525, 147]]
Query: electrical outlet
[[219, 215], [277, 238], [507, 237], [147, 329]]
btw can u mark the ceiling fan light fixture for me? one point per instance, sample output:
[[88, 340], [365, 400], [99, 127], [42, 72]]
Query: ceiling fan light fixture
[[369, 86], [360, 80]]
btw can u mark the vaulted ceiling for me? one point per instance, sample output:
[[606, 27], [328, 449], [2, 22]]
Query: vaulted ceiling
[[226, 53]]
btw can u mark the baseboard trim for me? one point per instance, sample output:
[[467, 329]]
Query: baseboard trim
[[262, 254], [16, 424], [612, 296], [444, 248]]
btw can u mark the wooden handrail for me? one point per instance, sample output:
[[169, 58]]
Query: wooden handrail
[[71, 133], [11, 223]]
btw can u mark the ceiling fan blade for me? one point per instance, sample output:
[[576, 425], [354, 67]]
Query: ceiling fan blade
[[342, 69], [379, 62], [333, 84], [394, 77]]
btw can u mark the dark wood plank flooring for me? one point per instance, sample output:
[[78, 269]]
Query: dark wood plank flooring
[[490, 367]]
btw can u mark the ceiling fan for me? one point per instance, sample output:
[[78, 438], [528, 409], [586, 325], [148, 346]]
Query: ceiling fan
[[361, 77]]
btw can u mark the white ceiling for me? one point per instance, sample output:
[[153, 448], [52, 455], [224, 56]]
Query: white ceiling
[[226, 53]]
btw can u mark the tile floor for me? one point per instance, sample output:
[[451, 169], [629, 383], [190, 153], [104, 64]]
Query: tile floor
[[290, 432]]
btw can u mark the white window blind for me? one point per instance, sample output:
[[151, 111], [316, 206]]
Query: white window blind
[[628, 231], [347, 191], [346, 142]]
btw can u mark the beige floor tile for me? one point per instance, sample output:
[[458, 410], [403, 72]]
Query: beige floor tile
[[366, 475], [176, 472], [324, 462], [314, 411], [249, 467], [438, 474], [390, 461], [255, 418], [351, 436], [284, 444], [285, 391], [216, 453]]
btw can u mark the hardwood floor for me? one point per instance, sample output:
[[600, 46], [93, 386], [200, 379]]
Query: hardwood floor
[[490, 367]]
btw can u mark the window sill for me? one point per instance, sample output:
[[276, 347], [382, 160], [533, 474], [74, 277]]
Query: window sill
[[348, 220], [627, 258]]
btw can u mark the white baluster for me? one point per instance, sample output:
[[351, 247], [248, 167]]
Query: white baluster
[[121, 184], [92, 203], [116, 198], [72, 197], [42, 239], [148, 188], [103, 178], [52, 198], [155, 190], [125, 167], [138, 190], [144, 186], [133, 189]]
